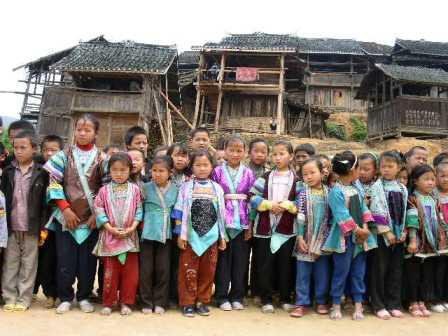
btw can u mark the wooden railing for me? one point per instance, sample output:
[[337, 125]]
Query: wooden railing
[[268, 76]]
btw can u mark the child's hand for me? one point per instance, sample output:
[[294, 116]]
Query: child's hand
[[181, 243], [222, 244], [114, 231], [404, 235], [302, 245], [276, 208], [412, 247], [361, 235], [71, 220], [247, 234], [91, 222], [42, 237], [391, 238]]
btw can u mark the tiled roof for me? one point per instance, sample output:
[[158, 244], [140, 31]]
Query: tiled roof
[[189, 57], [376, 49], [255, 42], [329, 46], [423, 47], [127, 57], [415, 74]]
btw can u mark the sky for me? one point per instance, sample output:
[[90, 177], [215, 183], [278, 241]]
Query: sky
[[31, 29]]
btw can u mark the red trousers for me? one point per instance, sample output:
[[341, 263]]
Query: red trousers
[[120, 278], [196, 276]]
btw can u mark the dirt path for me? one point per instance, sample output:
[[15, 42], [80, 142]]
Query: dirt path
[[39, 321]]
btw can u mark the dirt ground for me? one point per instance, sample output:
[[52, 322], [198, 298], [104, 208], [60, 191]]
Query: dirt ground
[[40, 321]]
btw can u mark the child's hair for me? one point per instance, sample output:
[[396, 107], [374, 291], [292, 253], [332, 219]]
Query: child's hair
[[52, 138], [132, 132], [137, 150], [417, 172], [315, 160], [441, 165], [222, 143], [391, 155], [120, 157], [307, 148], [369, 156], [20, 125], [411, 152], [199, 130], [106, 148], [200, 153], [30, 135], [441, 157], [253, 142], [284, 143], [160, 149], [344, 162], [322, 157], [235, 139], [181, 147], [91, 118], [166, 160]]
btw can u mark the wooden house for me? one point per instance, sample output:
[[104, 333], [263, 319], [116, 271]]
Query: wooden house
[[123, 84], [406, 100], [242, 81], [421, 53]]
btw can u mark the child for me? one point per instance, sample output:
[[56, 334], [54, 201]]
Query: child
[[179, 154], [416, 156], [274, 227], [403, 176], [313, 218], [138, 173], [118, 210], [24, 185], [236, 180], [258, 157], [367, 173], [220, 156], [15, 128], [326, 167], [199, 215], [200, 139], [388, 206], [161, 151], [46, 269], [349, 235], [75, 178], [426, 238], [136, 138], [302, 153], [442, 197], [160, 197], [110, 150]]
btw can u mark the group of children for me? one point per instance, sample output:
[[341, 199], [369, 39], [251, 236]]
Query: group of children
[[310, 232]]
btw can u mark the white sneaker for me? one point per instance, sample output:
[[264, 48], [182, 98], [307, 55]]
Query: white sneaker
[[287, 307], [86, 306], [159, 310], [267, 309], [226, 306], [236, 305], [438, 308], [63, 307]]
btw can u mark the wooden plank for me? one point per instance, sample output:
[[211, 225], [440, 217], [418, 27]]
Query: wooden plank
[[221, 78], [280, 96], [159, 117], [175, 109]]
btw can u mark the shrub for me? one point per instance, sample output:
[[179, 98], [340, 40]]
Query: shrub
[[336, 131], [359, 129]]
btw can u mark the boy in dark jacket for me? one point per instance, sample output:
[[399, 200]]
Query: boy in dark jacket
[[24, 183]]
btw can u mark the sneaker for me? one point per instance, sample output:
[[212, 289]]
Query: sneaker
[[86, 306], [268, 309], [397, 313], [147, 310], [236, 305], [20, 307], [438, 308], [287, 307], [383, 314], [125, 310], [226, 306], [63, 307], [9, 307], [299, 311], [106, 311], [159, 310], [188, 311], [202, 309]]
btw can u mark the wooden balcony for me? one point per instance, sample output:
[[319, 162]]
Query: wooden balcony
[[409, 115]]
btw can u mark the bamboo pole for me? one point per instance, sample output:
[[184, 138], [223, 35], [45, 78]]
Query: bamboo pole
[[198, 91], [159, 118], [169, 122], [175, 109], [221, 77], [280, 96]]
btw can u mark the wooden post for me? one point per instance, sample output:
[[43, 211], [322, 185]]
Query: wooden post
[[201, 114], [159, 117], [25, 97], [220, 93], [281, 85], [351, 85], [198, 91], [169, 122], [307, 93]]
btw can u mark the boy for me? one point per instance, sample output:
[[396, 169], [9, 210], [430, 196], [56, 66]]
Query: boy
[[416, 156], [302, 153], [46, 269], [136, 138], [15, 128], [24, 183], [200, 139]]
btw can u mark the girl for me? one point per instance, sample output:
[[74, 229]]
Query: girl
[[273, 197], [313, 216], [236, 181], [138, 174], [118, 211], [160, 197], [367, 173], [326, 167], [349, 235], [179, 154], [388, 207], [75, 178], [258, 155], [426, 238], [199, 215], [403, 176]]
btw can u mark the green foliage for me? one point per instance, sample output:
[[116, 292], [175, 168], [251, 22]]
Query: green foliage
[[5, 140], [359, 132], [336, 131]]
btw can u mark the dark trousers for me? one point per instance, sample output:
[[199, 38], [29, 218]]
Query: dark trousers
[[272, 268], [385, 278], [425, 279], [46, 269], [75, 262], [154, 273], [174, 270], [231, 271]]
